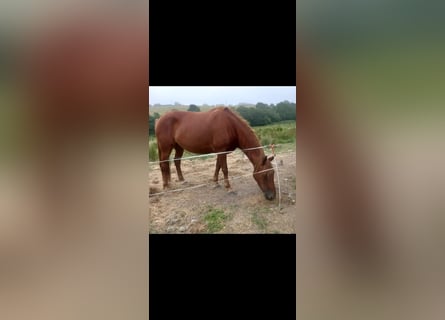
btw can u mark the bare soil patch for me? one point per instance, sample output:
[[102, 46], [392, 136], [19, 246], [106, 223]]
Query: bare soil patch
[[186, 209]]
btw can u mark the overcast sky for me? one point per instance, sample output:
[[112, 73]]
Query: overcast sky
[[220, 95]]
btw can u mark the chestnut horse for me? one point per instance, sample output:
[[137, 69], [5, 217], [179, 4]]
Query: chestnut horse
[[84, 87], [214, 131]]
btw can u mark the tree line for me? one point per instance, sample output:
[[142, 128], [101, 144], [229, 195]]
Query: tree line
[[262, 114], [151, 122]]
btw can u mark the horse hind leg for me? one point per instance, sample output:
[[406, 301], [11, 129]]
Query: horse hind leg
[[165, 169], [217, 168], [165, 166], [178, 154], [225, 172]]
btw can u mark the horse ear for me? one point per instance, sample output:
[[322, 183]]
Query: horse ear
[[271, 158]]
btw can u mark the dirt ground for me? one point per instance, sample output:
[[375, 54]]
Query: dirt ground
[[245, 210]]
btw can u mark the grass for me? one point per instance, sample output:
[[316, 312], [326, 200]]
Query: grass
[[152, 150], [153, 230], [394, 78], [278, 133], [14, 126], [259, 219], [214, 219], [166, 108]]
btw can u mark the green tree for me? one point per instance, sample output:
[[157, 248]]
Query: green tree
[[246, 113], [287, 110], [255, 116], [193, 108], [261, 106], [151, 122]]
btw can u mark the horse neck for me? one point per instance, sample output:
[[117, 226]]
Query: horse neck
[[248, 140], [255, 156]]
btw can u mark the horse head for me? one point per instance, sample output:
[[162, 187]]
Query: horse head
[[264, 176]]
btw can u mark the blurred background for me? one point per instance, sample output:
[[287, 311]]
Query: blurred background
[[370, 173], [370, 131], [73, 218]]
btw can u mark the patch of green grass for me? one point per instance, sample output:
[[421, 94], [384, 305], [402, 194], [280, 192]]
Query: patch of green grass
[[278, 133], [167, 108], [214, 219], [153, 150], [13, 123], [259, 219], [153, 230], [391, 78]]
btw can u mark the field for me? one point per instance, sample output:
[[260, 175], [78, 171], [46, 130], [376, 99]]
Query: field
[[163, 109], [197, 206]]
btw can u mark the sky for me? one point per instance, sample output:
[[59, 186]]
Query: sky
[[220, 95]]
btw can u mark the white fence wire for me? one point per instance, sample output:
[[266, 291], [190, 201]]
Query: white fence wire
[[275, 163]]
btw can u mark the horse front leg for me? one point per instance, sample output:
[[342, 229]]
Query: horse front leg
[[217, 168], [225, 171]]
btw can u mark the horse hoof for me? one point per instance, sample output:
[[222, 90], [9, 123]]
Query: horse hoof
[[231, 192], [216, 186]]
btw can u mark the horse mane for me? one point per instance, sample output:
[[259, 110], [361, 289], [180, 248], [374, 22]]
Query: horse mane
[[241, 119]]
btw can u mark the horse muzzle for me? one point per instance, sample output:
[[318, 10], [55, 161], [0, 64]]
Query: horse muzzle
[[269, 195]]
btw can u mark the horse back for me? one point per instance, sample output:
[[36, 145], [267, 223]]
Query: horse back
[[200, 132]]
